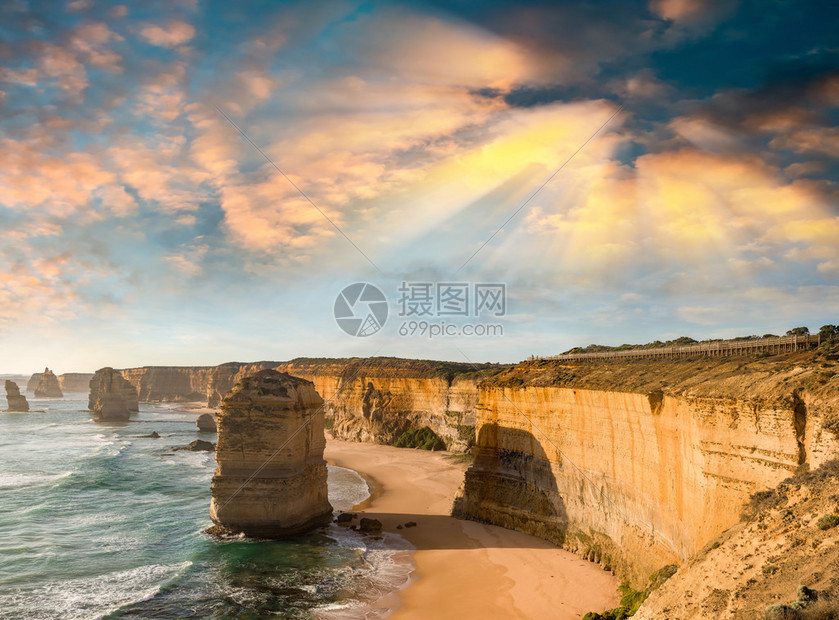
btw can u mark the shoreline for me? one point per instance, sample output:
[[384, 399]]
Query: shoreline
[[464, 570]]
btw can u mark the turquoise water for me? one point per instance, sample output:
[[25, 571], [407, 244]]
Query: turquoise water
[[96, 521]]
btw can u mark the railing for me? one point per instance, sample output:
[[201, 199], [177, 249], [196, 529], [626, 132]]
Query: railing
[[782, 344]]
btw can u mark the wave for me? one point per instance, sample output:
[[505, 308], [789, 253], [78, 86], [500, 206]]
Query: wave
[[88, 597], [14, 480], [346, 488]]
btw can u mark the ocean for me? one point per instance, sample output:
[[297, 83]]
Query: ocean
[[98, 522]]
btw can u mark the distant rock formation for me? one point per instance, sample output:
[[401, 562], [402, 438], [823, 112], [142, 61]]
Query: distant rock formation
[[199, 445], [128, 391], [169, 383], [16, 401], [111, 396], [33, 382], [76, 382], [48, 386], [271, 479], [206, 422], [224, 376]]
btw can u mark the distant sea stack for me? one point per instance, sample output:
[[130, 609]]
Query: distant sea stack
[[287, 495], [48, 386], [112, 398], [16, 401], [76, 382], [128, 391]]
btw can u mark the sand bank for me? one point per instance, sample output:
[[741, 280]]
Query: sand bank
[[464, 569]]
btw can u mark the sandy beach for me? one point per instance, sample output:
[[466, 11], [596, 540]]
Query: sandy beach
[[464, 569]]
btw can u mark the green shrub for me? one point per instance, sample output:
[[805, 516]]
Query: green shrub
[[828, 521], [631, 599], [423, 438]]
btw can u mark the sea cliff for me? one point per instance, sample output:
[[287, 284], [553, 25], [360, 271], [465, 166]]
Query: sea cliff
[[637, 464], [367, 399]]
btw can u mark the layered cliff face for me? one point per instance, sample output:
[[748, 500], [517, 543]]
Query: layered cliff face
[[367, 399], [112, 398], [638, 464], [378, 399], [48, 386], [16, 401], [169, 383], [77, 382], [271, 477]]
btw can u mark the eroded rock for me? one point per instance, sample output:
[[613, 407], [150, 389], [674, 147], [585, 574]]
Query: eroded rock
[[48, 386], [271, 477], [17, 402], [112, 398], [199, 445], [206, 423]]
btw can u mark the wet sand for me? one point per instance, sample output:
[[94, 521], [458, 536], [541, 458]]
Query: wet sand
[[466, 570]]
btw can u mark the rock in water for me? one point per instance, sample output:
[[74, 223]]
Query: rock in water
[[48, 386], [16, 401], [199, 445], [206, 422], [128, 391], [270, 482], [110, 396]]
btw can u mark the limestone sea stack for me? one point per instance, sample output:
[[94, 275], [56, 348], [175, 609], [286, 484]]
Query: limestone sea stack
[[206, 423], [16, 401], [48, 386], [129, 392], [270, 482], [113, 395]]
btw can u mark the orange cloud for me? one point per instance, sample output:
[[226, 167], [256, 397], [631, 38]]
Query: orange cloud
[[171, 34]]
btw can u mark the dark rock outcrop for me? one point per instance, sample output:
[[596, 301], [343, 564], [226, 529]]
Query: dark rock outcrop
[[206, 422], [16, 401], [111, 396], [48, 386], [199, 445], [370, 526], [271, 477]]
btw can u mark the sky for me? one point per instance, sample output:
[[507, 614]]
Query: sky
[[192, 182]]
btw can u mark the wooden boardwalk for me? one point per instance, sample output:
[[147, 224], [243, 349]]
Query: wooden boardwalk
[[782, 344]]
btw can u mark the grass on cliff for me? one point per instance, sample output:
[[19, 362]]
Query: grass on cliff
[[423, 438], [631, 599]]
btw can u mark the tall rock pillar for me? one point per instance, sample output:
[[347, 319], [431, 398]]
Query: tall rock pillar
[[271, 477], [16, 401]]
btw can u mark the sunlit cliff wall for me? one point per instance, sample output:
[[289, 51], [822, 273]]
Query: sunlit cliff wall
[[638, 478]]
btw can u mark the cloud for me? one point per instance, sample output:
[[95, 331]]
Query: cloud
[[90, 39], [171, 34]]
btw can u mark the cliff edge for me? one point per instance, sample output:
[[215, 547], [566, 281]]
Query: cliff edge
[[638, 464]]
